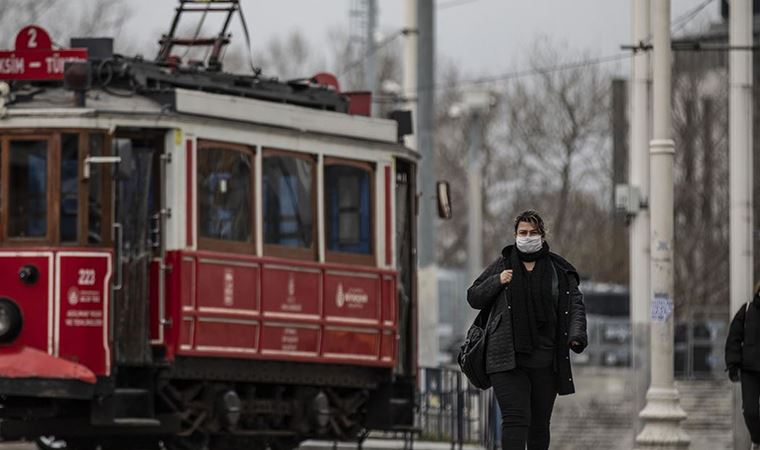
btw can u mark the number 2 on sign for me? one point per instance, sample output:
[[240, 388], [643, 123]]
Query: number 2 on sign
[[32, 42], [86, 277]]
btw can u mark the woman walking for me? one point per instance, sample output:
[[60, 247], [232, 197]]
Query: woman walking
[[537, 315], [743, 362]]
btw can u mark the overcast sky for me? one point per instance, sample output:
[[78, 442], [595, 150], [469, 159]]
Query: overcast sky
[[485, 37]]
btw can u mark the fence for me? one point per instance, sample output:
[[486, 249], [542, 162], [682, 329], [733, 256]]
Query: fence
[[697, 353], [451, 410]]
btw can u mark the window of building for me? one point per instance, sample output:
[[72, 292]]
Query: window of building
[[225, 197], [288, 196], [348, 211]]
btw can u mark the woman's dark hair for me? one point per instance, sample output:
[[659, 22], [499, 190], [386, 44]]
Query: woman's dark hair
[[533, 218]]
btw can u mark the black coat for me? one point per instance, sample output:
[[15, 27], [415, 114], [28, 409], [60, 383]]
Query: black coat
[[488, 292], [743, 342]]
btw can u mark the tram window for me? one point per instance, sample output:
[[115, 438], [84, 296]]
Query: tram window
[[348, 208], [69, 187], [224, 193], [95, 192], [288, 200], [27, 191]]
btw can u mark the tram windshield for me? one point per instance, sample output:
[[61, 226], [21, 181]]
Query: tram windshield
[[45, 199]]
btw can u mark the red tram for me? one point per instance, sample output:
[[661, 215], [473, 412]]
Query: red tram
[[198, 259]]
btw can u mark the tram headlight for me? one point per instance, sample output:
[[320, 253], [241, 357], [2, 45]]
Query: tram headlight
[[10, 321]]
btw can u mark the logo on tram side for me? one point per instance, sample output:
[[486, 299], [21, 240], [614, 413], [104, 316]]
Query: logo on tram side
[[354, 298], [229, 287], [73, 296]]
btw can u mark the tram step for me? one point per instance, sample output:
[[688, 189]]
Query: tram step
[[133, 402], [137, 422], [130, 405]]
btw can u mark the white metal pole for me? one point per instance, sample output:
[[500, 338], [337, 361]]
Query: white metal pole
[[370, 62], [740, 174], [639, 177], [662, 414], [427, 273], [475, 197], [411, 33]]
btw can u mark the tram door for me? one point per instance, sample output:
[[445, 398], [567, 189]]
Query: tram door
[[406, 264], [138, 239]]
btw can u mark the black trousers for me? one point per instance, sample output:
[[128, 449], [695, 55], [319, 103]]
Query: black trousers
[[751, 403], [526, 399]]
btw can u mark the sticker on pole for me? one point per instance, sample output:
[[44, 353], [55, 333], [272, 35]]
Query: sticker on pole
[[662, 307]]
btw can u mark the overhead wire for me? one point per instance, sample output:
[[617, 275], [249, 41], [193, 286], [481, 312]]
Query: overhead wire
[[522, 73], [687, 17], [359, 61], [678, 24], [347, 68]]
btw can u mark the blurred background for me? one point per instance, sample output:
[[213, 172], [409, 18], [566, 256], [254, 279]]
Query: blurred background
[[552, 136]]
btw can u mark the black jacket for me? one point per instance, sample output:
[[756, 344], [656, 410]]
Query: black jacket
[[488, 292], [743, 342]]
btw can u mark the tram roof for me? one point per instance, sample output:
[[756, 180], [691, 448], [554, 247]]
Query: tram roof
[[191, 106]]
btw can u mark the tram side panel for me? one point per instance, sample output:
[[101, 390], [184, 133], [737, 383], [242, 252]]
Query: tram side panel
[[249, 307]]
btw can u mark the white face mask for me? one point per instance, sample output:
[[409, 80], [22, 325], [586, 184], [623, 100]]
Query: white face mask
[[529, 244]]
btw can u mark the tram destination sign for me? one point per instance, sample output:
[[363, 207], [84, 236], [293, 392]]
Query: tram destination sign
[[34, 57]]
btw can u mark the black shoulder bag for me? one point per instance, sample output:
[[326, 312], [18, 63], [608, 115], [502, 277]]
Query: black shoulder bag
[[472, 354]]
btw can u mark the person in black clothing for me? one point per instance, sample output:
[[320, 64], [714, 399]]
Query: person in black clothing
[[743, 362], [536, 316]]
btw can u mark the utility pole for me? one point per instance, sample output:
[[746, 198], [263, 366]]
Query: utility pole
[[411, 33], [639, 178], [370, 51], [475, 105], [427, 274], [740, 175], [662, 414], [475, 197]]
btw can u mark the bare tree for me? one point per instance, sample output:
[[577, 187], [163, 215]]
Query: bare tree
[[289, 57], [559, 133], [701, 188], [452, 142], [16, 13]]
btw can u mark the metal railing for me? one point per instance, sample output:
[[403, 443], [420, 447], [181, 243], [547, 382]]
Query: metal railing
[[451, 410]]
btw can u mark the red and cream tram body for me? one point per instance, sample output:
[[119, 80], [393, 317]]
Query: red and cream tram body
[[201, 259]]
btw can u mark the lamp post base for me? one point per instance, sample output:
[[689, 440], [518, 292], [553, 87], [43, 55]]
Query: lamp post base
[[662, 419]]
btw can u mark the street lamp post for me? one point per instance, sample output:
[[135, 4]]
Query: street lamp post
[[474, 106], [740, 175], [662, 414]]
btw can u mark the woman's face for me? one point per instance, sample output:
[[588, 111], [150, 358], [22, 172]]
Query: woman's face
[[526, 229]]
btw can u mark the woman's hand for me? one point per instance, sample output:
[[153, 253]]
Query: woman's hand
[[505, 276], [733, 374], [575, 346]]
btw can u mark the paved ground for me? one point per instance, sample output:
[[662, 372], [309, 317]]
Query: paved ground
[[18, 447]]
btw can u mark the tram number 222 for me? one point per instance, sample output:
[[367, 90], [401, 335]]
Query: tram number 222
[[86, 277]]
